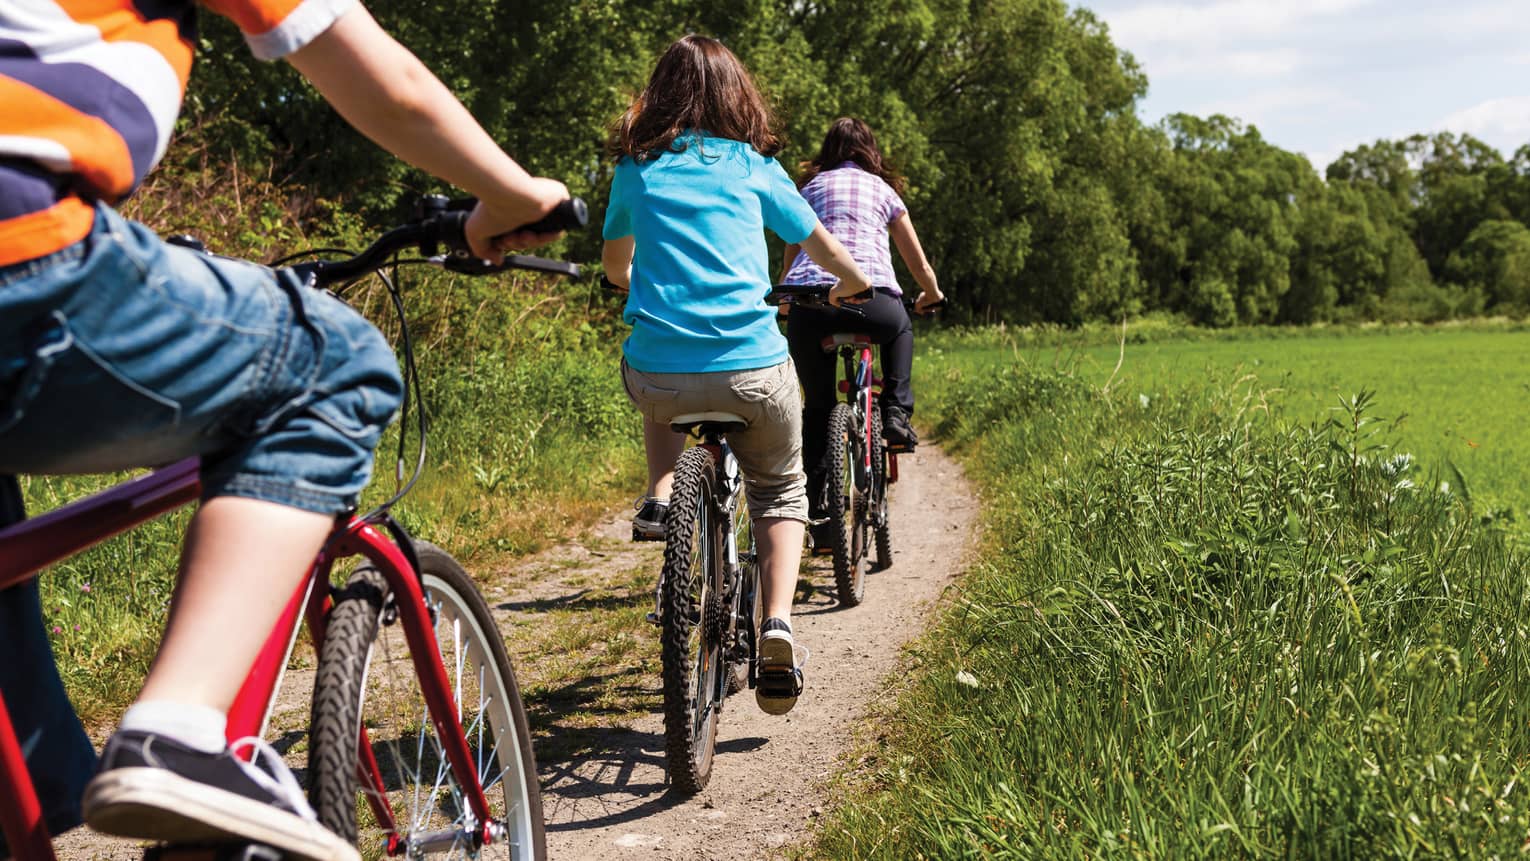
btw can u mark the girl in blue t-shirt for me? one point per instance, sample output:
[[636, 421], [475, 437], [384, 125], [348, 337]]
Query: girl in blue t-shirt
[[695, 186]]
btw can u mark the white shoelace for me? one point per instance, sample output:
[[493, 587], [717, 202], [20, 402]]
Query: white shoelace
[[272, 774]]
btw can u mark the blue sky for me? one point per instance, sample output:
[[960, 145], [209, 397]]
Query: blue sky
[[1321, 77]]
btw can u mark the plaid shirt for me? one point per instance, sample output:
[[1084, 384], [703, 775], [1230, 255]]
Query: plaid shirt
[[856, 207]]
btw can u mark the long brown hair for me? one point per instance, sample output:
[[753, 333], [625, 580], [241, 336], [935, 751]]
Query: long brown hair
[[698, 84], [849, 139]]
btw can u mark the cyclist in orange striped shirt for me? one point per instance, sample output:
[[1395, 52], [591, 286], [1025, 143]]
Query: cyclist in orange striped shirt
[[117, 350]]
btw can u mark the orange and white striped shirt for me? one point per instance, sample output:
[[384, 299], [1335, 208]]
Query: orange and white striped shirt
[[89, 93]]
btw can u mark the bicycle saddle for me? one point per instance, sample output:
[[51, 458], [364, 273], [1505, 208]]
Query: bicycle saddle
[[834, 342], [700, 424]]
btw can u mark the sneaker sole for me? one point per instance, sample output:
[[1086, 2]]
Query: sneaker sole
[[775, 656], [154, 804]]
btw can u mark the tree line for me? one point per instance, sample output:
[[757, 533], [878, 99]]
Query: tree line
[[1039, 193]]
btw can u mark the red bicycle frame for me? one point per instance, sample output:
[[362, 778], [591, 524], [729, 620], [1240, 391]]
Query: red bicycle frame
[[33, 544], [865, 383]]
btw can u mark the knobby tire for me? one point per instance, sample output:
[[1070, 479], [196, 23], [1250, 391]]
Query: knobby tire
[[847, 514], [691, 658], [366, 675], [882, 523]]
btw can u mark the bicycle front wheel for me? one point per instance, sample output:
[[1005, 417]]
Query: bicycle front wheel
[[849, 514], [367, 680], [694, 623]]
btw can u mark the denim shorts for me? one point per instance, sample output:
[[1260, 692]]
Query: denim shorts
[[122, 351], [769, 450]]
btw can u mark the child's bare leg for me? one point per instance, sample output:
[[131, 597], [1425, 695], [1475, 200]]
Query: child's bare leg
[[780, 542], [242, 562], [662, 447]]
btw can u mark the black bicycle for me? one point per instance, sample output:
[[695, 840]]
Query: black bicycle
[[710, 605]]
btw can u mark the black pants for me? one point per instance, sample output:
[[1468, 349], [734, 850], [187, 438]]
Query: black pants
[[59, 756], [886, 321]]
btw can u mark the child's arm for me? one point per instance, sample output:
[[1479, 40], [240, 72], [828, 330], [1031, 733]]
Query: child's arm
[[827, 252], [616, 259], [788, 257], [388, 95]]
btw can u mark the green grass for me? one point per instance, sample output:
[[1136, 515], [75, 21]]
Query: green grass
[[1461, 392], [1207, 626]]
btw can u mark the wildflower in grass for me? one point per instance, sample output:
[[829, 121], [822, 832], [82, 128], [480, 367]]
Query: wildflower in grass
[[57, 629], [84, 587], [1396, 465]]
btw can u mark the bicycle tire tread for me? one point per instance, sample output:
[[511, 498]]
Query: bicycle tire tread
[[882, 533], [849, 576], [690, 762]]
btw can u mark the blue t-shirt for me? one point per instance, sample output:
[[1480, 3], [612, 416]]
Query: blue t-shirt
[[700, 269]]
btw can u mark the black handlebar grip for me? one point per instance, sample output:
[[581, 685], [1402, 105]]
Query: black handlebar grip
[[571, 214]]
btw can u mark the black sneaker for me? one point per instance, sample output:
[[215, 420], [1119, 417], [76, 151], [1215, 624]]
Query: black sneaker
[[648, 523], [780, 679], [896, 429], [149, 787]]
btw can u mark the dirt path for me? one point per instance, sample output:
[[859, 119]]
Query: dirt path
[[600, 743], [613, 801]]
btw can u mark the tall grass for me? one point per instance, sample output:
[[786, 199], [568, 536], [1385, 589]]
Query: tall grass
[[1201, 630]]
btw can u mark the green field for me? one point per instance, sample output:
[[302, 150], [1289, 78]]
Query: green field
[[1209, 621], [1462, 394]]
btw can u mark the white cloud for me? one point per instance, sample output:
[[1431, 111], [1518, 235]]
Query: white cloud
[[1501, 121], [1294, 101], [1222, 21], [1238, 63], [1322, 76]]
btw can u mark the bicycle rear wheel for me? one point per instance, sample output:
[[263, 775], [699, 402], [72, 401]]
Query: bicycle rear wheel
[[693, 654], [848, 514], [367, 678]]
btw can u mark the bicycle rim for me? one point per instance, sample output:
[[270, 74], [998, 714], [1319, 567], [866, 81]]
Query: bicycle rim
[[691, 651], [382, 693]]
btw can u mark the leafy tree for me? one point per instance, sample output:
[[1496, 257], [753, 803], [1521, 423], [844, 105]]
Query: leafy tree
[[1495, 259], [1038, 191]]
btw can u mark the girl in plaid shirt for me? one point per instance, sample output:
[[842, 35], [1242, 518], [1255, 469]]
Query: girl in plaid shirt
[[856, 198]]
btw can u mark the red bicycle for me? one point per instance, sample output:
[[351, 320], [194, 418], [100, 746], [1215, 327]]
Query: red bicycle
[[415, 700], [858, 466]]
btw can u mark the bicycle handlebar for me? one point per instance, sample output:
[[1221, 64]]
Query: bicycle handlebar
[[817, 296], [442, 222]]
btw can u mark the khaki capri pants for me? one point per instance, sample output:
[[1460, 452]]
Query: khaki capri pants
[[769, 450]]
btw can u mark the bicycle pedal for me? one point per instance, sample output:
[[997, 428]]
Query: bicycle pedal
[[643, 536], [212, 852], [653, 618], [779, 683]]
